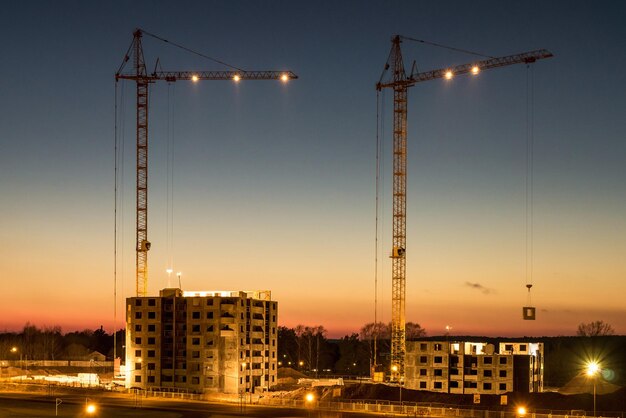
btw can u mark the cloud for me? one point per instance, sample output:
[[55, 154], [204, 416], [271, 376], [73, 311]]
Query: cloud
[[478, 286]]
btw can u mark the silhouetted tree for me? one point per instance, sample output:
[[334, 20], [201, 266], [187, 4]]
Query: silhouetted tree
[[311, 342], [594, 329], [377, 334], [413, 331], [30, 341], [353, 356], [52, 342], [288, 348], [101, 341]]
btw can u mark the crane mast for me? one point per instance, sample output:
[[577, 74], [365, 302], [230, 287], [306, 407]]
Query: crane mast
[[142, 243], [400, 83], [398, 259], [143, 80]]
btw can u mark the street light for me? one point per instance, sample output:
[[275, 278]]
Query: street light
[[593, 368], [90, 409], [395, 369], [14, 350], [244, 365]]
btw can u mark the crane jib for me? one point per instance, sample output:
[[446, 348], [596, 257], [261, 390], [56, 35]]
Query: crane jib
[[523, 58]]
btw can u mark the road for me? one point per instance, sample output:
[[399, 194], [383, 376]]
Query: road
[[112, 405]]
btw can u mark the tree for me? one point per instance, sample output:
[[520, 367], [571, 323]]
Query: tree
[[377, 334], [594, 329], [353, 355], [288, 346], [310, 341], [52, 340], [413, 331]]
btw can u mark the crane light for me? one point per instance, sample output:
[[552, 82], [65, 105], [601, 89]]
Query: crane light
[[475, 69], [194, 78], [236, 78], [448, 75], [284, 78]]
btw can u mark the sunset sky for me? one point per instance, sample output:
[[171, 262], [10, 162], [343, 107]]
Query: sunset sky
[[274, 185]]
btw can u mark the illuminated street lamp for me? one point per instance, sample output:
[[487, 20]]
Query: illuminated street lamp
[[521, 411], [90, 409], [15, 350], [395, 369], [593, 368]]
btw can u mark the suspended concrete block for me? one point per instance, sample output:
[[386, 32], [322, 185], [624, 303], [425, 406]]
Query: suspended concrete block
[[528, 313]]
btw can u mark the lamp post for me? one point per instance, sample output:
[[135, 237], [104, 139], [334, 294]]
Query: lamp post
[[15, 350], [394, 369], [244, 365], [593, 368], [521, 411], [309, 400]]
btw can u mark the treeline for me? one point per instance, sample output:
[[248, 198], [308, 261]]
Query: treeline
[[49, 343], [307, 348]]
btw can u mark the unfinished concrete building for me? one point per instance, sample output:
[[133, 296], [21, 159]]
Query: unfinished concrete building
[[215, 341], [474, 367]]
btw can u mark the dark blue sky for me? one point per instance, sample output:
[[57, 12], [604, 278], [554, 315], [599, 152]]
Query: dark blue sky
[[285, 174]]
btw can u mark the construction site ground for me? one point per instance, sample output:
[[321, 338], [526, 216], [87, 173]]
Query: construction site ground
[[355, 391], [547, 401]]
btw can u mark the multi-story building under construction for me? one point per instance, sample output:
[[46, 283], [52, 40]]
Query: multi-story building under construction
[[215, 341], [474, 367]]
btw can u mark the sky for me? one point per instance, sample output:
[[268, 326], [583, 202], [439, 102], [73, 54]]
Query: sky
[[274, 184]]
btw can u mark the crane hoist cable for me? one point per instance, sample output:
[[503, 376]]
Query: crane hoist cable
[[115, 230], [169, 224], [530, 120], [374, 362], [379, 187], [118, 191]]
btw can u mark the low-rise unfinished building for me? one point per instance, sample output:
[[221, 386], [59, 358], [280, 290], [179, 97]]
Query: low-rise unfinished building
[[474, 367], [215, 341]]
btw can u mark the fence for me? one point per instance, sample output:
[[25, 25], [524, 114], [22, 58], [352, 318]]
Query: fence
[[55, 363], [411, 409], [387, 408]]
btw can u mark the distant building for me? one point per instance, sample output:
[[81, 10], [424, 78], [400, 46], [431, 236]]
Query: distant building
[[474, 367], [201, 342]]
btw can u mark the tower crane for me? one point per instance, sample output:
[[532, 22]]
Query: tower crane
[[142, 79], [399, 81]]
